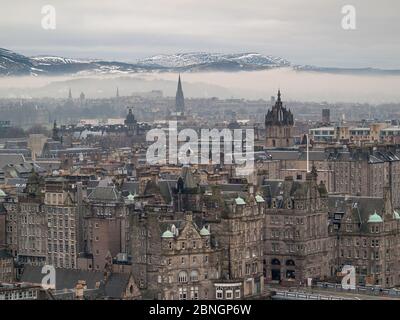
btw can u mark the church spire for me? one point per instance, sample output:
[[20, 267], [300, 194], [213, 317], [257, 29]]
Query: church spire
[[179, 99], [117, 95], [69, 94]]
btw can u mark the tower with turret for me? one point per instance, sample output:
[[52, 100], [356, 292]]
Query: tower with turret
[[279, 126]]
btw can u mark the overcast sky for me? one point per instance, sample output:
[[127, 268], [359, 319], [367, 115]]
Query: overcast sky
[[302, 31]]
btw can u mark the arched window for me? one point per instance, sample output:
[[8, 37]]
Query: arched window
[[182, 276], [194, 275], [290, 263], [275, 262]]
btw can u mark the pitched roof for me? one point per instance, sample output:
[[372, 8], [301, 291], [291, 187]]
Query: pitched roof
[[9, 158], [65, 278], [116, 285], [104, 194]]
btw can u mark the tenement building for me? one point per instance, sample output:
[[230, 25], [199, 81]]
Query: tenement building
[[31, 223], [367, 236], [104, 227], [236, 216], [297, 245], [61, 212], [212, 252]]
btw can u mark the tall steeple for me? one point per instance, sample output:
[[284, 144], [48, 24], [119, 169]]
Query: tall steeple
[[69, 94], [117, 95], [179, 99]]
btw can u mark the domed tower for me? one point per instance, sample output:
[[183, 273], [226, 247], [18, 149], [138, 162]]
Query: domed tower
[[279, 126]]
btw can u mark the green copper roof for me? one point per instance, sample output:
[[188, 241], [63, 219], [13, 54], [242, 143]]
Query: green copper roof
[[167, 234], [204, 232], [374, 218], [239, 201], [396, 215], [2, 193], [130, 197], [259, 198]]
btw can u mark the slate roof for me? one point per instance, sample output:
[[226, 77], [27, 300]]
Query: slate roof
[[362, 207], [65, 278], [130, 187], [104, 194], [113, 288], [6, 159], [116, 285]]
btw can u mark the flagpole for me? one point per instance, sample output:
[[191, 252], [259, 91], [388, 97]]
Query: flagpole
[[308, 165]]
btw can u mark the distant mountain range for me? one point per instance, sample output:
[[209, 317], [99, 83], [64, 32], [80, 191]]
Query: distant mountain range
[[14, 64]]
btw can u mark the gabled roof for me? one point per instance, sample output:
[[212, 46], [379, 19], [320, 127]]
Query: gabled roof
[[116, 285], [9, 158]]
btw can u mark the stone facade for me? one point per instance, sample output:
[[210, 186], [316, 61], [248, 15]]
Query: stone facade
[[105, 226], [279, 126], [297, 245], [367, 232], [62, 223]]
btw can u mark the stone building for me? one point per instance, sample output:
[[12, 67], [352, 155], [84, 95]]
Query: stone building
[[31, 223], [7, 272], [279, 126], [237, 220], [297, 245], [366, 232], [212, 252], [105, 227], [63, 223], [362, 171], [190, 262], [3, 215]]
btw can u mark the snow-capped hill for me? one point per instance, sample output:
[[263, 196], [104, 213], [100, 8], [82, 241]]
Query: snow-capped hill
[[48, 60], [196, 59], [14, 64]]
